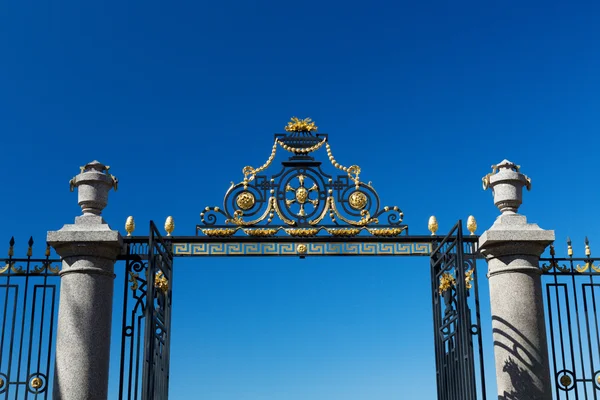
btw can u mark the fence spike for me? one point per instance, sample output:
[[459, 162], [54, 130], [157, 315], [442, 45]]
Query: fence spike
[[30, 248], [588, 252]]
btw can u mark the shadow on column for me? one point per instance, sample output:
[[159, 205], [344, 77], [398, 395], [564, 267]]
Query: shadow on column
[[521, 379]]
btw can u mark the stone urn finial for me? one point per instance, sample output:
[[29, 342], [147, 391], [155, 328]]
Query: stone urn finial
[[93, 184], [506, 182]]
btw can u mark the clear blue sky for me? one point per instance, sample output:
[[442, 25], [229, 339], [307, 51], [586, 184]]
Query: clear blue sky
[[178, 96]]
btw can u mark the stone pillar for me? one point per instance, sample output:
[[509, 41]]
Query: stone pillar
[[89, 249], [512, 248]]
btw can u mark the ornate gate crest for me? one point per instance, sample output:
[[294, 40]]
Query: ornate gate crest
[[301, 200]]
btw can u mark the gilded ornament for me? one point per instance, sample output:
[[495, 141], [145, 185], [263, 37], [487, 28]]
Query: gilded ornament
[[5, 268], [245, 200], [357, 200], [1, 383], [36, 383], [344, 232], [301, 125], [566, 380], [261, 232], [447, 281], [302, 232], [386, 232], [304, 150], [161, 282], [301, 195], [169, 225], [301, 249], [133, 278], [54, 270], [129, 225], [469, 279], [432, 225], [471, 224], [219, 231]]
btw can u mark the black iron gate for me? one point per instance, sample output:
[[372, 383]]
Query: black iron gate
[[146, 331], [453, 278]]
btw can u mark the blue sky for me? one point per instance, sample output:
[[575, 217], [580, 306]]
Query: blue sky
[[178, 97]]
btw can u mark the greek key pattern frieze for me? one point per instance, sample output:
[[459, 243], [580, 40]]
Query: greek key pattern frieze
[[289, 248]]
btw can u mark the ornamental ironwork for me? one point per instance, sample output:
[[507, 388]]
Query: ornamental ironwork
[[301, 199]]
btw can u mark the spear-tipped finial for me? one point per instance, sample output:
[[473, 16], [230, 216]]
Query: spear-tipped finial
[[30, 248], [11, 247], [588, 252], [569, 247], [432, 225]]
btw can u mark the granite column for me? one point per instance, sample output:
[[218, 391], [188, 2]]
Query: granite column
[[512, 247], [89, 249]]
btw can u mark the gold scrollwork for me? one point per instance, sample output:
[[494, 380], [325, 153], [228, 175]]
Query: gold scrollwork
[[5, 268], [133, 278], [587, 266], [219, 231], [344, 232], [161, 282], [16, 269], [554, 264], [469, 279], [261, 231], [364, 220], [386, 232], [302, 232], [54, 270]]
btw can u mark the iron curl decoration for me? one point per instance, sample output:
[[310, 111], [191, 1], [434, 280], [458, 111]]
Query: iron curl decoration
[[301, 195]]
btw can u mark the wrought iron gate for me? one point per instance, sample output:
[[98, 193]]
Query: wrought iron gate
[[146, 334], [453, 278]]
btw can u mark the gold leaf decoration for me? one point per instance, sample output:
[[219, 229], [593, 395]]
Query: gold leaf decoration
[[301, 125]]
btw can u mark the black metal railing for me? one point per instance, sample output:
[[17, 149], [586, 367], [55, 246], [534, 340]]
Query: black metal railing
[[29, 292], [456, 318], [144, 366], [572, 299]]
